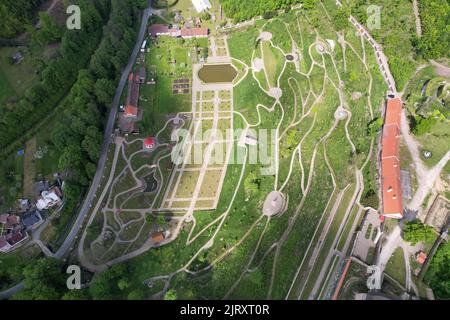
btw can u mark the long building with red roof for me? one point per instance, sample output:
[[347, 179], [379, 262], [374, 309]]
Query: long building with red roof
[[392, 198], [186, 33]]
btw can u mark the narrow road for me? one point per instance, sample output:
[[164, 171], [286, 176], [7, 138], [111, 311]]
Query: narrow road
[[103, 155]]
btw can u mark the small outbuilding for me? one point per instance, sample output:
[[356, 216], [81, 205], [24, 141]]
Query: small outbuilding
[[149, 143]]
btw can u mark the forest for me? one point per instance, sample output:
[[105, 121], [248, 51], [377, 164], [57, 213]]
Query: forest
[[15, 15], [435, 40], [78, 136], [56, 77], [244, 10], [438, 275]]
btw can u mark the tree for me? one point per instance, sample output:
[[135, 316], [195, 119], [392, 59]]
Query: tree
[[268, 15], [206, 16], [104, 90], [340, 19], [438, 274], [137, 294], [170, 295], [49, 32], [374, 126], [123, 284], [82, 294], [308, 4], [108, 284], [423, 125], [44, 280], [415, 231]]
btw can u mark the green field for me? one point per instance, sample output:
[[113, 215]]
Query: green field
[[251, 256], [396, 266], [15, 78]]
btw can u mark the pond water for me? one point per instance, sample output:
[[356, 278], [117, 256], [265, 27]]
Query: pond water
[[217, 73]]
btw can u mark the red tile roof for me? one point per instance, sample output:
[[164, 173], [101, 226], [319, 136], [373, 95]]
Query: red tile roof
[[149, 142], [157, 29], [15, 238], [12, 221], [133, 90], [131, 111], [390, 165], [392, 196], [421, 257], [393, 112], [390, 141], [161, 29], [194, 32], [157, 237]]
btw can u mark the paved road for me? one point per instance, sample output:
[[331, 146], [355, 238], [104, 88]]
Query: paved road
[[103, 156]]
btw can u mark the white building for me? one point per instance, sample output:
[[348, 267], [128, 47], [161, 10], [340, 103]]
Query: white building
[[201, 5], [48, 199], [144, 45]]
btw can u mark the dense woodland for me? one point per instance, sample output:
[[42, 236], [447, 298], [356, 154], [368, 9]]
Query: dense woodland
[[435, 17], [15, 15], [79, 135], [244, 10], [438, 275], [57, 76]]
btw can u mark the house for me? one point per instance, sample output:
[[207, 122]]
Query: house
[[142, 75], [24, 204], [149, 143], [49, 199], [158, 237], [9, 221], [41, 186], [133, 90], [392, 198], [421, 257], [4, 245], [12, 240], [129, 127], [31, 220], [17, 57], [162, 30], [194, 33], [186, 33], [201, 5], [131, 108], [131, 112]]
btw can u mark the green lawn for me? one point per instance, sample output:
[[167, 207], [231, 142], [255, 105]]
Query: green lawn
[[15, 78], [6, 90], [273, 61], [396, 266], [242, 230]]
